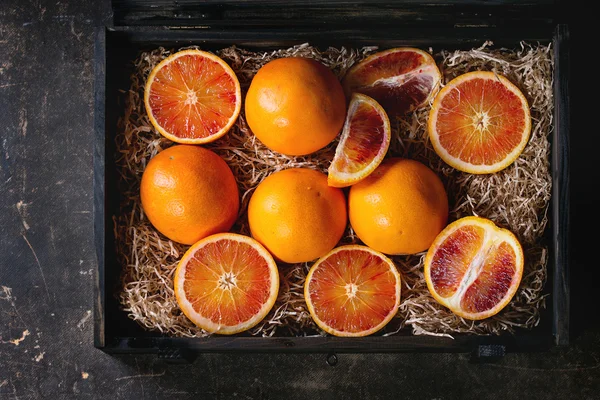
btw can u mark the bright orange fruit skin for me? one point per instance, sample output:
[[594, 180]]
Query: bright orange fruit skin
[[295, 106], [188, 193], [399, 208], [296, 215]]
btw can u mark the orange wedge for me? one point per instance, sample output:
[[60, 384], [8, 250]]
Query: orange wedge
[[192, 97], [352, 291], [474, 268], [364, 142], [226, 283], [400, 79], [479, 123]]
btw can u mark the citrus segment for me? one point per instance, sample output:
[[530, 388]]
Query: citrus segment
[[352, 291], [188, 193], [479, 122], [226, 283], [474, 268], [364, 142], [400, 79], [295, 106], [453, 258], [192, 97]]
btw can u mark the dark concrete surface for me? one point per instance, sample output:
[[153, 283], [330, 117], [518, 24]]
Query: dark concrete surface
[[47, 260]]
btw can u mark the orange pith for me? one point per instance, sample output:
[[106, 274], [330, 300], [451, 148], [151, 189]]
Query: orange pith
[[364, 142], [400, 79], [226, 283], [352, 291], [479, 122], [474, 268], [192, 97]]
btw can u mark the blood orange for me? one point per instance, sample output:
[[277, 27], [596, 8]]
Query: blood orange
[[192, 97], [226, 283], [352, 291], [474, 268], [400, 79], [365, 140], [479, 123]]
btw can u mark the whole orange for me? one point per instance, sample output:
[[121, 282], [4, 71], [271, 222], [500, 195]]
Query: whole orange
[[188, 193], [399, 208], [295, 106], [296, 215]]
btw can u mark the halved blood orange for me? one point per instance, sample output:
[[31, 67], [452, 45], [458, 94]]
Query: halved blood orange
[[352, 291], [365, 140], [192, 97], [400, 79], [474, 267], [226, 283], [479, 122]]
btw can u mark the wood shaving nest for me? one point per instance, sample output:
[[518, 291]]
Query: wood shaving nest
[[516, 198]]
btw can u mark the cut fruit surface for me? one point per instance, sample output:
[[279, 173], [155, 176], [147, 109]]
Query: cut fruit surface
[[400, 79], [352, 291], [364, 142], [474, 268], [479, 123], [226, 283], [192, 97]]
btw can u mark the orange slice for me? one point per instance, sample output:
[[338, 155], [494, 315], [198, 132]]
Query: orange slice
[[226, 283], [479, 123], [192, 97], [474, 268], [352, 291], [365, 140], [400, 79]]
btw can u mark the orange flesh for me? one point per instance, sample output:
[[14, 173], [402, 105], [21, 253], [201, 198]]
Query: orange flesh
[[452, 259], [480, 121], [396, 98], [493, 282], [227, 282], [366, 134], [353, 291], [455, 257], [192, 97]]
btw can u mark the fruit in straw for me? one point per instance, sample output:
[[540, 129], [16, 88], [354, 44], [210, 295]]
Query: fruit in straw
[[296, 215], [479, 123], [192, 97], [188, 193], [226, 283], [400, 79], [474, 268], [399, 208], [352, 291], [295, 106], [364, 142]]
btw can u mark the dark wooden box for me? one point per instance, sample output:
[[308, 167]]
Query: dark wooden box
[[139, 25]]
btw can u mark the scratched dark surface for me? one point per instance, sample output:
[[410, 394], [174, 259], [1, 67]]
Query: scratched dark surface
[[47, 260]]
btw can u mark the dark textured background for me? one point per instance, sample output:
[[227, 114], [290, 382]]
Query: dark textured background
[[47, 260]]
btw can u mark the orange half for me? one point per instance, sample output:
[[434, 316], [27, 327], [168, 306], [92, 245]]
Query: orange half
[[352, 291], [226, 283], [479, 123], [192, 97], [364, 142], [401, 79], [474, 268]]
